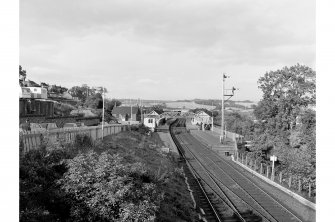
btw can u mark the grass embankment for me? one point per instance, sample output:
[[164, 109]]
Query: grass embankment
[[125, 176]]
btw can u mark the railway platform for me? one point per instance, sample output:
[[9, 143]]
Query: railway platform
[[212, 140], [168, 142]]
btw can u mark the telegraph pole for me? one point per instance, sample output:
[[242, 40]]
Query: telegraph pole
[[141, 109], [103, 112], [212, 119], [131, 110]]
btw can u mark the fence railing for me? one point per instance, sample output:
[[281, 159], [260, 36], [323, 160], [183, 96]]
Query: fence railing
[[298, 185], [33, 140]]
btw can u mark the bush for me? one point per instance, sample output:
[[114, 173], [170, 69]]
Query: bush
[[40, 198], [104, 189], [63, 109], [142, 129]]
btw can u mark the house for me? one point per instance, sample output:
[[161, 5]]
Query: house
[[24, 92], [151, 119], [127, 113], [38, 92], [33, 92], [202, 117]]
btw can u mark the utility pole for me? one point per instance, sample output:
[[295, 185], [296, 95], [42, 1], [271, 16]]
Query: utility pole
[[212, 119], [103, 111], [141, 109], [131, 110]]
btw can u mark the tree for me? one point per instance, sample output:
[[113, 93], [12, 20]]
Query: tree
[[110, 104], [22, 73], [94, 101], [81, 92], [286, 94], [236, 123]]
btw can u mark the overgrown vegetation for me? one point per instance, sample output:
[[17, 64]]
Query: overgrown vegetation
[[236, 122], [286, 123], [63, 109], [123, 178]]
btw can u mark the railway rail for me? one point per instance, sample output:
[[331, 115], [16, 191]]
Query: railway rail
[[232, 195]]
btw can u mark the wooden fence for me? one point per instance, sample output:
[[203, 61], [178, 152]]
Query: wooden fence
[[301, 186], [32, 140]]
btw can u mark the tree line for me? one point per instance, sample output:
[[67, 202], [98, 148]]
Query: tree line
[[283, 123]]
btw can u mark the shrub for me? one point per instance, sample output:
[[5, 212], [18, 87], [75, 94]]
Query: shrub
[[63, 109], [108, 190], [142, 129], [40, 198]]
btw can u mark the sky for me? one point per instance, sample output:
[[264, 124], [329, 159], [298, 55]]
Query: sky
[[166, 49]]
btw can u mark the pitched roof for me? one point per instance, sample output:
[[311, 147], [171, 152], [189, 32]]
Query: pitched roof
[[123, 110], [156, 111], [205, 111]]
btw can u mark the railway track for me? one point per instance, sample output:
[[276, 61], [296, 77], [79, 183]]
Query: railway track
[[233, 196]]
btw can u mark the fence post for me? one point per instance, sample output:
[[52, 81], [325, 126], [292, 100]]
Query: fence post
[[267, 171], [299, 184], [246, 160], [273, 173], [289, 181], [280, 177], [309, 190], [261, 170], [255, 165]]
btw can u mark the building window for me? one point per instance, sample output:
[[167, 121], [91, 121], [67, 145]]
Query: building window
[[150, 121]]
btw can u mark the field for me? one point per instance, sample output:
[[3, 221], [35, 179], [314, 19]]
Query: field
[[187, 105]]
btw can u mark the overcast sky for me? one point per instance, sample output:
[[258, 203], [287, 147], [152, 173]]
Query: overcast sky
[[164, 49]]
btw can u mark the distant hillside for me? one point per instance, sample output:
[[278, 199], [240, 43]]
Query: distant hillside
[[209, 104], [188, 105]]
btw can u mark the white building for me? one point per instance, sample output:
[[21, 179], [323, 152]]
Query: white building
[[201, 117], [151, 119], [34, 92]]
